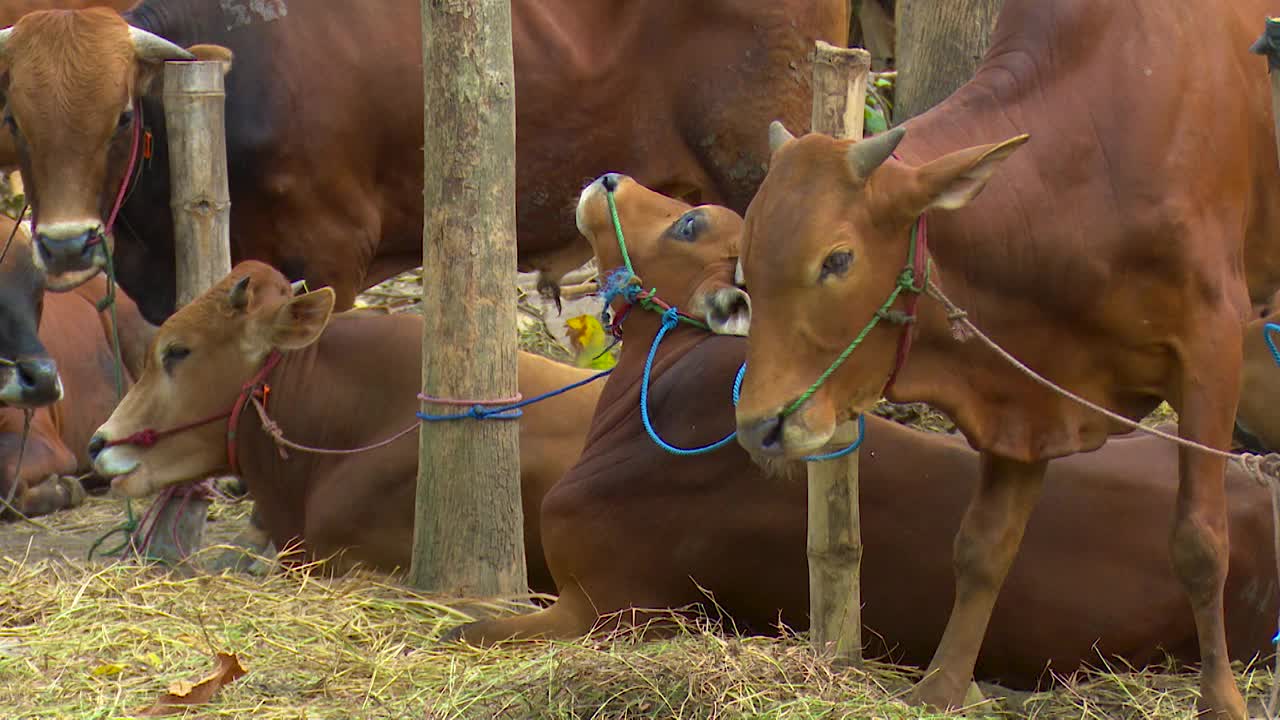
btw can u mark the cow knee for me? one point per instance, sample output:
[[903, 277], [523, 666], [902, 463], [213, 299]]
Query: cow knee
[[1198, 548]]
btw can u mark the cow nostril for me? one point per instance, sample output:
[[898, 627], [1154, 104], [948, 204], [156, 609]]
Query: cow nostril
[[96, 445], [82, 245], [25, 377], [610, 181], [42, 245], [36, 374], [771, 437]]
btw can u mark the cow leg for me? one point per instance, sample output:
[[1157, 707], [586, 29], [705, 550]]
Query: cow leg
[[50, 495], [985, 546], [570, 616], [1199, 544]]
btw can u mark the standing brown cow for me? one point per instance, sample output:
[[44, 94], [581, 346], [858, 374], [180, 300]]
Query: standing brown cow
[[1110, 255]]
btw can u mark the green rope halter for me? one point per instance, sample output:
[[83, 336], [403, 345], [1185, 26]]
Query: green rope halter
[[647, 300], [906, 283]]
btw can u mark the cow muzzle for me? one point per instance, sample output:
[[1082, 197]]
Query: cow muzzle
[[778, 436], [69, 254], [116, 462], [29, 382]]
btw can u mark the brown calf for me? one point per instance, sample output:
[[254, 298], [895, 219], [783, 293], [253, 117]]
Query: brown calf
[[344, 381]]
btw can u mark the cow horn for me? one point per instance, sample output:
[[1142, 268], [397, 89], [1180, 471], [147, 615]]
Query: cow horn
[[865, 156], [153, 48], [239, 296], [298, 287], [4, 38], [779, 135]]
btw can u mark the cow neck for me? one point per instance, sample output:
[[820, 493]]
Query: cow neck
[[638, 331], [327, 395], [963, 260]]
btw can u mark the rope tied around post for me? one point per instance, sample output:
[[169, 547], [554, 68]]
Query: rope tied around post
[[508, 409]]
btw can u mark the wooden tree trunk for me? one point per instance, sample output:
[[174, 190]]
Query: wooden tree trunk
[[194, 119], [835, 532], [468, 534], [871, 27], [938, 48]]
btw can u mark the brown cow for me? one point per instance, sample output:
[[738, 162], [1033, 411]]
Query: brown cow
[[343, 382], [324, 122], [1110, 256], [78, 337], [662, 527]]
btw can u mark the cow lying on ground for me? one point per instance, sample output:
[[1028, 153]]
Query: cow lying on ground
[[324, 122], [633, 527], [343, 381], [78, 337], [28, 375]]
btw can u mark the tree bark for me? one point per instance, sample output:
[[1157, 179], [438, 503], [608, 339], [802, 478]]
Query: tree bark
[[468, 534], [938, 48], [835, 531]]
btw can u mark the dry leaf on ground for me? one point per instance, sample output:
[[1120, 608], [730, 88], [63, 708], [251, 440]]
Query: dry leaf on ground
[[183, 693]]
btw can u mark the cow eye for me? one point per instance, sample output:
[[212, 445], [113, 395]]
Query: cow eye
[[686, 228], [10, 123], [126, 118], [837, 264], [172, 356]]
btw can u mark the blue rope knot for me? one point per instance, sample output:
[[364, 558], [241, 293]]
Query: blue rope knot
[[670, 318], [1271, 343], [619, 283]]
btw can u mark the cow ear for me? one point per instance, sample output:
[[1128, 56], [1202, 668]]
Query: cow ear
[[213, 53], [954, 180], [299, 322], [149, 73]]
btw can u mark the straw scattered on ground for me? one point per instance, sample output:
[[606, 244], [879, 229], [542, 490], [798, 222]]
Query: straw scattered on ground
[[102, 642]]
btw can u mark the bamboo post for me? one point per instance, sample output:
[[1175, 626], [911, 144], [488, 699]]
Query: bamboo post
[[835, 534], [196, 130], [1269, 45], [469, 528]]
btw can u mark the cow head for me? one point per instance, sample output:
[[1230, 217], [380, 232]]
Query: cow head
[[28, 375], [69, 85], [199, 360], [692, 249], [825, 240]]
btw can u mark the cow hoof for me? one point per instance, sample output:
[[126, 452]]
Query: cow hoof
[[940, 692], [74, 490], [456, 635]]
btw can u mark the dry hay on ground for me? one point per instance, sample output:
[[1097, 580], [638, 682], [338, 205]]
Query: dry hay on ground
[[82, 641]]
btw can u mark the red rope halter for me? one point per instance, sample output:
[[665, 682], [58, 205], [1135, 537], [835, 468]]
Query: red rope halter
[[256, 387], [913, 300]]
